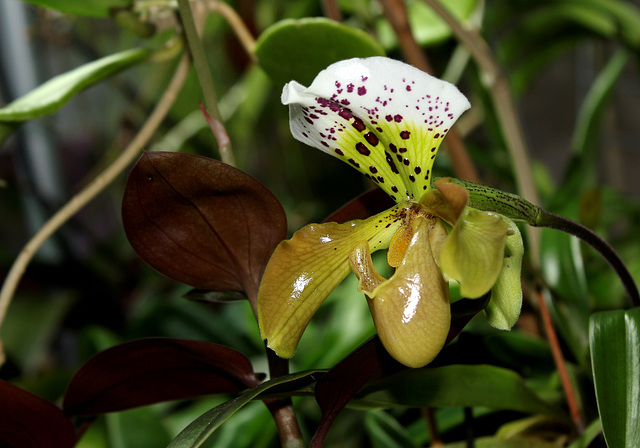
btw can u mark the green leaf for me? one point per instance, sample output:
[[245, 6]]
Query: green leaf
[[201, 429], [614, 338], [494, 442], [456, 385], [299, 49], [53, 94], [136, 428], [92, 8]]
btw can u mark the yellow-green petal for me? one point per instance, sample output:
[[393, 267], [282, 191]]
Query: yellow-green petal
[[503, 309], [474, 250], [411, 310], [303, 271]]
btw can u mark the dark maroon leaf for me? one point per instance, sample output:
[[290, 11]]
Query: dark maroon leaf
[[362, 207], [339, 385], [201, 222], [148, 371], [462, 311], [28, 421]]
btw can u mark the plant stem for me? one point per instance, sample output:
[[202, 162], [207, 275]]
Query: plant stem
[[553, 221], [91, 190], [282, 409], [206, 82], [432, 425], [560, 364], [396, 13], [237, 25]]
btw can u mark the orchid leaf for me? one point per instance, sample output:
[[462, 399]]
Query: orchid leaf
[[28, 421], [299, 49], [456, 385], [91, 8], [201, 222], [137, 374], [53, 94], [614, 338], [204, 426]]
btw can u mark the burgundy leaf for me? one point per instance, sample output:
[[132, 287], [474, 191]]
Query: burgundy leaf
[[201, 222], [339, 385], [462, 311], [28, 421], [362, 207], [148, 371]]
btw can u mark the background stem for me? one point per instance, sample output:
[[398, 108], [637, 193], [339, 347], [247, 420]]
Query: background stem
[[92, 190], [206, 82]]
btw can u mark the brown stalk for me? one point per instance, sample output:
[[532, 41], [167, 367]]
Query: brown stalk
[[559, 361]]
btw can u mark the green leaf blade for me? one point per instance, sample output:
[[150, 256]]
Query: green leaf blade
[[614, 339], [55, 93]]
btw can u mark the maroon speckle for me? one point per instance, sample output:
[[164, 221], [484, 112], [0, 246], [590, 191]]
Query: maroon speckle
[[404, 135], [426, 177], [364, 78], [345, 102], [437, 135], [417, 170], [354, 163], [379, 129], [339, 152], [394, 189], [391, 163], [324, 143], [362, 90], [412, 178], [380, 179], [314, 116], [403, 150], [308, 120], [393, 147], [338, 84], [305, 134], [373, 169], [408, 88], [358, 124], [346, 114], [406, 162], [399, 157], [397, 118], [388, 118], [433, 149], [371, 138], [362, 149], [349, 87]]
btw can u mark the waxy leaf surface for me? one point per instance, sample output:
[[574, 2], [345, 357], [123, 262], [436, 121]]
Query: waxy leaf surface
[[28, 421], [614, 338], [201, 222], [147, 371]]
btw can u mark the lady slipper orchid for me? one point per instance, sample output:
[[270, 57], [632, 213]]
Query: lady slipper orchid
[[387, 119]]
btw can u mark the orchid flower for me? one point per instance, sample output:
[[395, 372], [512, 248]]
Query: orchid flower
[[387, 119]]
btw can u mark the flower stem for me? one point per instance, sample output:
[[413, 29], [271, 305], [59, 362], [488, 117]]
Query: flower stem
[[206, 82], [553, 221]]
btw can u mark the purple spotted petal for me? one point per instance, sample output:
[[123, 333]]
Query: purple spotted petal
[[384, 117]]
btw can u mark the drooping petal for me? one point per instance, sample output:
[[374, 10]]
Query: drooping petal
[[382, 116], [503, 309], [474, 250], [305, 269], [411, 310]]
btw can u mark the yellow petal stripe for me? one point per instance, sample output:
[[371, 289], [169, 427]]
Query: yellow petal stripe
[[305, 269]]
